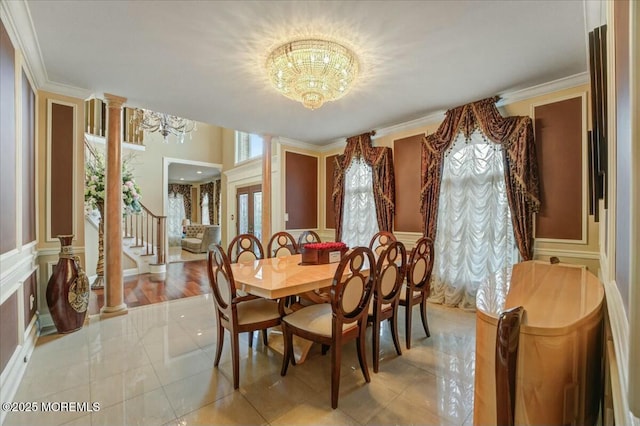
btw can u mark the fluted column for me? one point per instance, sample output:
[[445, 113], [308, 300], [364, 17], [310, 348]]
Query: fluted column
[[114, 285], [266, 190]]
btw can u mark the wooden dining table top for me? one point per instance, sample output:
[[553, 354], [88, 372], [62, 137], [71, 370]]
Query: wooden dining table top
[[278, 277]]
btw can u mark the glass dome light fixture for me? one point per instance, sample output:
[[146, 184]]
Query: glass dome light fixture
[[165, 124], [312, 71]]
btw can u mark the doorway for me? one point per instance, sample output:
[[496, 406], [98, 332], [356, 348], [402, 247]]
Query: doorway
[[249, 208]]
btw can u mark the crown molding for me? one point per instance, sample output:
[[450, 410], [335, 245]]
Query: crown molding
[[17, 19], [338, 143], [297, 144], [427, 120], [543, 89]]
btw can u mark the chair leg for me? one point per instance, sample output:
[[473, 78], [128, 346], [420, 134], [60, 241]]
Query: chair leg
[[265, 339], [375, 337], [393, 324], [287, 338], [219, 343], [325, 349], [235, 356], [362, 356], [423, 314], [336, 359], [250, 339], [407, 324]]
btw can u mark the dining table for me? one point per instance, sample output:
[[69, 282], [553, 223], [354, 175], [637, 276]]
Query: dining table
[[279, 277]]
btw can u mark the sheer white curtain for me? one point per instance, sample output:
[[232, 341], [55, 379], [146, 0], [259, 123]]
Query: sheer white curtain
[[205, 210], [475, 236], [175, 215], [359, 221]]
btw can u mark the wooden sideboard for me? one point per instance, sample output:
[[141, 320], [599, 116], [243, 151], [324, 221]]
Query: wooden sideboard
[[559, 369]]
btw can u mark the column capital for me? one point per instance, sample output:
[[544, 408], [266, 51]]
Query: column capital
[[114, 101]]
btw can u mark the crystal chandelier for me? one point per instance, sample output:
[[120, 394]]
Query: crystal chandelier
[[165, 124], [312, 71]]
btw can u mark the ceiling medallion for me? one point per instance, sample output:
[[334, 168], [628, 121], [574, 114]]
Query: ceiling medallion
[[312, 71]]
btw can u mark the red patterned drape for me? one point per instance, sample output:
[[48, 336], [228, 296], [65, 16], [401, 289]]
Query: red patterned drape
[[381, 161], [515, 134], [185, 190]]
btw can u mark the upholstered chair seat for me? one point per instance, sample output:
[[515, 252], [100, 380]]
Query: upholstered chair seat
[[316, 319], [257, 310]]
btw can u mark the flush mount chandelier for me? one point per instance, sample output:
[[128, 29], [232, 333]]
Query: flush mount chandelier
[[165, 124], [312, 71]]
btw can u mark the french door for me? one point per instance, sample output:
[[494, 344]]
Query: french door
[[249, 208]]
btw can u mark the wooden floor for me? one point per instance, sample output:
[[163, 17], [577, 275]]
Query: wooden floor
[[182, 279]]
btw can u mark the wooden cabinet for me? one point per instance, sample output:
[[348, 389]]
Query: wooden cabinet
[[559, 371]]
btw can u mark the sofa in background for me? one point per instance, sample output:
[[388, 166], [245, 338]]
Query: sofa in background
[[199, 237]]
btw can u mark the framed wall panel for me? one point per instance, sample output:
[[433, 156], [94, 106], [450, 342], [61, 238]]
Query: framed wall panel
[[8, 329], [406, 159], [561, 145], [301, 191], [61, 160], [330, 216], [8, 167], [28, 162]]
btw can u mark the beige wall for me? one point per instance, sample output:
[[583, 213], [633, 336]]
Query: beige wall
[[205, 146]]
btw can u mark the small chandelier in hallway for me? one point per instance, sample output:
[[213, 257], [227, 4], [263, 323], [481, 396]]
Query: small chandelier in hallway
[[164, 124]]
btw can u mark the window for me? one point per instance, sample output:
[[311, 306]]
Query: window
[[359, 222], [205, 210], [176, 213], [474, 238], [248, 146]]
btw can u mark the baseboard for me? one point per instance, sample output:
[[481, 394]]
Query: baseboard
[[15, 369]]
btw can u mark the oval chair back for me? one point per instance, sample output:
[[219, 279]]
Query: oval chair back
[[352, 287], [390, 273], [245, 248], [308, 237], [380, 241], [221, 282], [282, 244]]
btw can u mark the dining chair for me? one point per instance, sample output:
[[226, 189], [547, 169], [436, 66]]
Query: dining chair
[[344, 319], [417, 286], [380, 241], [237, 314], [390, 273], [308, 237], [245, 247], [282, 244], [507, 342]]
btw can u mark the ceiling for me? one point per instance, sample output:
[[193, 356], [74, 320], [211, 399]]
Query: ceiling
[[187, 173], [204, 59]]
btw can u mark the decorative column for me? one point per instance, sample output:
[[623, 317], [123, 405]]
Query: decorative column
[[114, 286], [266, 190]]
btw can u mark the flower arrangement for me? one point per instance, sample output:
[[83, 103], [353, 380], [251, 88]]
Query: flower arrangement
[[320, 253], [326, 246], [94, 190]]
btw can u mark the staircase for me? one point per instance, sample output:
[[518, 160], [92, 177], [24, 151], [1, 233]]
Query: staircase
[[144, 241]]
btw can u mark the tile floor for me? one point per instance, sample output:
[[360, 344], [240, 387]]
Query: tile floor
[[154, 366]]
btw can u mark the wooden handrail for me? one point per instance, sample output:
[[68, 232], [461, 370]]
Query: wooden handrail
[[148, 231]]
